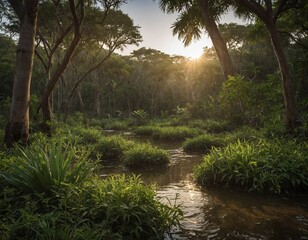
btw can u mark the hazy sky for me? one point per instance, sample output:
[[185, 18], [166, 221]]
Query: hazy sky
[[155, 28]]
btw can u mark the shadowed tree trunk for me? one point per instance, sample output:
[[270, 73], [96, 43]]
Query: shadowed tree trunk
[[18, 126], [217, 40], [268, 15], [45, 100]]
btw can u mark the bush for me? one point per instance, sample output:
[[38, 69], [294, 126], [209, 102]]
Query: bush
[[115, 124], [110, 148], [202, 143], [211, 126], [88, 135], [145, 130], [174, 133], [145, 155], [44, 169], [243, 134], [276, 166], [116, 208], [140, 117]]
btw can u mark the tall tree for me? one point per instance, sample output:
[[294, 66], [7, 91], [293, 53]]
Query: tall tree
[[198, 14], [77, 12], [101, 39], [18, 126], [268, 12]]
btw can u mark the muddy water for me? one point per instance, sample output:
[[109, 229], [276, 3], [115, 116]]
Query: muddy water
[[222, 213]]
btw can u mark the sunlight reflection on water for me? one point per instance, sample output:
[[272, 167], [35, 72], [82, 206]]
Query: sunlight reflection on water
[[221, 213]]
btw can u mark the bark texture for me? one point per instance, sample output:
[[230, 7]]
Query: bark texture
[[269, 15], [217, 40], [17, 129]]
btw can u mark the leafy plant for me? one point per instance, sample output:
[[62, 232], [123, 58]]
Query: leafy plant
[[202, 143], [140, 116], [118, 207], [179, 133], [145, 155], [145, 130], [268, 165], [43, 169], [111, 147]]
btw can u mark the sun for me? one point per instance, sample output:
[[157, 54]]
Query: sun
[[194, 51]]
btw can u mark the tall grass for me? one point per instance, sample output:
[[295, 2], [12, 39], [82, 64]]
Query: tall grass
[[202, 143], [211, 126], [179, 133], [111, 147], [145, 155], [277, 166], [146, 130], [115, 208], [43, 169]]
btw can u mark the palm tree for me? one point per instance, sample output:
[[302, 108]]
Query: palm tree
[[196, 16]]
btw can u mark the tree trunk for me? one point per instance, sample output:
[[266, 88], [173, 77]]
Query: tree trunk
[[217, 40], [267, 17], [45, 101], [18, 126], [289, 96]]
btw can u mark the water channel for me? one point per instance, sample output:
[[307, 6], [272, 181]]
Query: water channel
[[221, 213]]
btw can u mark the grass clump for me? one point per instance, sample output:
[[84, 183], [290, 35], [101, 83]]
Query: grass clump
[[202, 143], [111, 147], [179, 133], [277, 166], [115, 124], [88, 135], [211, 126], [115, 208], [145, 155], [44, 169], [145, 130]]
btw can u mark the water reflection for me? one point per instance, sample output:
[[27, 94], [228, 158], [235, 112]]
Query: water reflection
[[222, 213]]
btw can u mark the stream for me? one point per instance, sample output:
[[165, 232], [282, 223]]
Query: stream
[[220, 213]]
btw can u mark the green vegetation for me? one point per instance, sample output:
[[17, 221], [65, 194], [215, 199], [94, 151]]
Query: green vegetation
[[211, 126], [243, 103], [277, 166], [167, 133], [147, 130], [50, 191], [179, 133], [45, 169], [111, 148], [145, 155], [115, 124], [115, 208], [202, 143]]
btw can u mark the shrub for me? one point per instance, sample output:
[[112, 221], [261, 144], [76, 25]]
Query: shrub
[[88, 135], [131, 209], [175, 133], [145, 130], [202, 143], [110, 148], [276, 166], [44, 169], [115, 124], [243, 134], [116, 208], [140, 116], [145, 155], [211, 126]]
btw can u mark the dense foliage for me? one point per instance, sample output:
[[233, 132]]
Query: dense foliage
[[51, 191], [277, 166]]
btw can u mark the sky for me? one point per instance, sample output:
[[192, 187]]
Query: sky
[[155, 28]]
